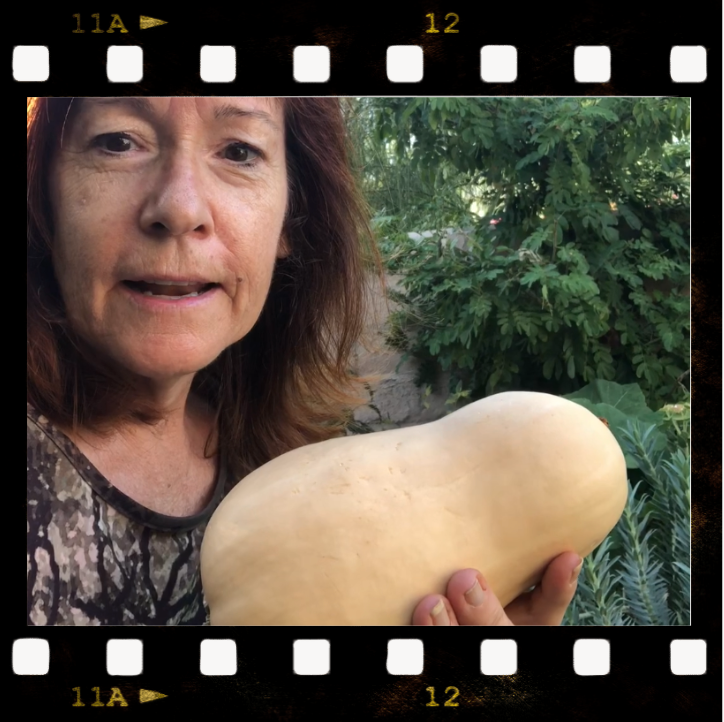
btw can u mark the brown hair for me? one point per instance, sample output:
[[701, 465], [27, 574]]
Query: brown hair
[[287, 382]]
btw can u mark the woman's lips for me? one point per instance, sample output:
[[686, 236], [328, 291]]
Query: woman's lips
[[170, 289], [170, 294]]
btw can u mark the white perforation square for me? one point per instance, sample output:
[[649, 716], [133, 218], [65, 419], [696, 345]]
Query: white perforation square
[[405, 656], [498, 63], [31, 63], [592, 657], [499, 656], [124, 64], [124, 657], [688, 63], [218, 63], [218, 657], [311, 656], [592, 64], [31, 656], [404, 63], [688, 656], [311, 64]]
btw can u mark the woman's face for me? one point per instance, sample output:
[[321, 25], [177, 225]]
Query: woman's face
[[168, 217]]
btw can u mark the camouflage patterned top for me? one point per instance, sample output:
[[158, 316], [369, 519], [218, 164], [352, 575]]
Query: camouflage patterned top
[[97, 557]]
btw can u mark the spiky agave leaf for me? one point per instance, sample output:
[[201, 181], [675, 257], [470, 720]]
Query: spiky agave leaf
[[678, 484], [644, 588], [597, 601]]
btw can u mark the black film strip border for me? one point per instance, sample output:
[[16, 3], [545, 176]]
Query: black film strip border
[[358, 686]]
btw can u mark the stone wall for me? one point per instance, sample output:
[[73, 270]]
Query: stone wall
[[395, 401]]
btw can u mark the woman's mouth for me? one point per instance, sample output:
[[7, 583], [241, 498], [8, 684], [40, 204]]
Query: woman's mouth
[[170, 290]]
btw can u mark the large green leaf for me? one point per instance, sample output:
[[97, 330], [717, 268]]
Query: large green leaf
[[618, 403]]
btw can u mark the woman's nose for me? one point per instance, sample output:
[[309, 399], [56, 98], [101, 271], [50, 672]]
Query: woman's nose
[[177, 203]]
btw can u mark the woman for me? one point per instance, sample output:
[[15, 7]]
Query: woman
[[195, 287]]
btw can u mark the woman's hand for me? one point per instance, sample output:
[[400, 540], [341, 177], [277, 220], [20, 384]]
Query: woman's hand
[[545, 605]]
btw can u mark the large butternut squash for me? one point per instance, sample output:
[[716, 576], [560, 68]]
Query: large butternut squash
[[356, 530]]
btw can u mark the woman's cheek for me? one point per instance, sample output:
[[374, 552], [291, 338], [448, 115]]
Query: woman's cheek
[[79, 265]]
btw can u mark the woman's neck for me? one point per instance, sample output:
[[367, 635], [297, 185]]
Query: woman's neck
[[163, 466]]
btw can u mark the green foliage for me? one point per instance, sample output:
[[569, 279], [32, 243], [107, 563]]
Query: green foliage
[[587, 274], [640, 574]]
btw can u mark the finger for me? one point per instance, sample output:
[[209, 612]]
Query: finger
[[434, 611], [473, 602], [547, 603]]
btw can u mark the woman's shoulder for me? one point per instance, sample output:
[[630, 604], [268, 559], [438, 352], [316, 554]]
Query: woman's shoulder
[[36, 423], [57, 471], [48, 449], [96, 560]]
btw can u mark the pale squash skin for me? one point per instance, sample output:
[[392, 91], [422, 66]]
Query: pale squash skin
[[357, 530]]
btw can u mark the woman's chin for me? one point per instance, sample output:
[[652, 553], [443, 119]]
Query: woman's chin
[[167, 366]]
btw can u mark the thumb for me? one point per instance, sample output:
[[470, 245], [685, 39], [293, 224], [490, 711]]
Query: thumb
[[474, 602]]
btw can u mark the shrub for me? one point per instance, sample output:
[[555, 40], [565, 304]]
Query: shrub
[[587, 273]]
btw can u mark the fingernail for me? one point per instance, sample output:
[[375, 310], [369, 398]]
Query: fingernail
[[439, 615], [474, 595], [576, 571]]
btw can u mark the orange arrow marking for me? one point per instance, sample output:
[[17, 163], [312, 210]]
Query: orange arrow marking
[[148, 695], [147, 23]]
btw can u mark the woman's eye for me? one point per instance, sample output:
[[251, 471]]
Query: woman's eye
[[114, 142], [240, 153]]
